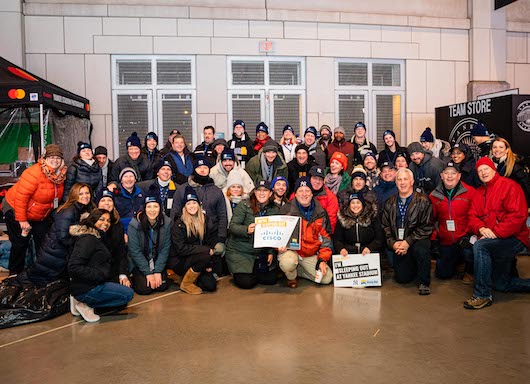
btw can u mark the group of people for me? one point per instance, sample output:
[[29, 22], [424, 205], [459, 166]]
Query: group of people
[[115, 228]]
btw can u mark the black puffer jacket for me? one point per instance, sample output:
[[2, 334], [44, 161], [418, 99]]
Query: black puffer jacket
[[364, 230], [90, 262], [81, 172], [296, 171], [141, 167], [152, 158], [57, 246], [418, 219], [115, 242]]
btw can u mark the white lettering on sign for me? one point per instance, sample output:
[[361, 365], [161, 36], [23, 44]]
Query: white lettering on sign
[[471, 108]]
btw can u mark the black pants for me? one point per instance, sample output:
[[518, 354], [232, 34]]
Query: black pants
[[450, 256], [199, 262], [139, 282], [416, 262], [19, 244], [250, 280]]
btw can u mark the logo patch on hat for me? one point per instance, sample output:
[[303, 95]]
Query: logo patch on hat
[[303, 183], [200, 162]]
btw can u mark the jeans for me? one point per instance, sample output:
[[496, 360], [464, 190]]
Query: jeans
[[450, 256], [416, 262], [493, 260], [107, 295]]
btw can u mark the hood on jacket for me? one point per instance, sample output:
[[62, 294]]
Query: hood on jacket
[[368, 214], [80, 230]]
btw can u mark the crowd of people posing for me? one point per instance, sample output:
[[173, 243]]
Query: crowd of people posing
[[114, 228]]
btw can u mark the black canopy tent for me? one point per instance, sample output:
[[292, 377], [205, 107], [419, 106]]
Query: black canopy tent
[[20, 89]]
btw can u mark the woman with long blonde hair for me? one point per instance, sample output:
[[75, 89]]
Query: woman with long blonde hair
[[508, 164], [193, 252]]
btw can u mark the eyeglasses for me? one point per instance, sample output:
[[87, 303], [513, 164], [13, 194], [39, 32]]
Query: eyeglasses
[[56, 158]]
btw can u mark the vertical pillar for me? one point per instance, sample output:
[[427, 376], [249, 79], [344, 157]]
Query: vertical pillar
[[487, 49], [12, 31]]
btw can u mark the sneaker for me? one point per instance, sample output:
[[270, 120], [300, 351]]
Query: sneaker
[[87, 313], [468, 279], [424, 290], [73, 303], [477, 303]]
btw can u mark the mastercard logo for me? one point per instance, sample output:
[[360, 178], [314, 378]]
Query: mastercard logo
[[16, 94]]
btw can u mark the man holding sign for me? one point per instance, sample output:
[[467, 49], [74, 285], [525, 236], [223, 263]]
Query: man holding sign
[[310, 262], [407, 222]]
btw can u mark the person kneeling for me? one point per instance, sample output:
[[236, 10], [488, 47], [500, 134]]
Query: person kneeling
[[311, 259], [251, 266], [193, 247], [89, 267], [149, 243]]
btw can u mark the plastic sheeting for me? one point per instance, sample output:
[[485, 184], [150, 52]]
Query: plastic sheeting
[[67, 131]]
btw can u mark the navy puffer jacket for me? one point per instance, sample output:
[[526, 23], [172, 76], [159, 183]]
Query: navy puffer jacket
[[56, 247]]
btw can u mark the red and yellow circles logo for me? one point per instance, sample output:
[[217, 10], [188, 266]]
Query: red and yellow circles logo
[[16, 94]]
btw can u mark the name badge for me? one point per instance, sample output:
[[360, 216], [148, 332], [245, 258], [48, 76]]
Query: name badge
[[151, 265], [451, 227], [401, 233], [169, 203], [55, 202]]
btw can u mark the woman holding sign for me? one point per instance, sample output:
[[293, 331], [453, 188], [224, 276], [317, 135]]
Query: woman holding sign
[[251, 266], [358, 228]]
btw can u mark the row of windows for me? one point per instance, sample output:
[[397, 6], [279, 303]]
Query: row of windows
[[158, 93]]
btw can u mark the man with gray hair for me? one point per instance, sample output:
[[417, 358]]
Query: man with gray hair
[[407, 222]]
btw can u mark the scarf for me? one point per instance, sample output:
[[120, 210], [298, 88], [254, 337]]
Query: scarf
[[56, 177], [201, 180], [184, 164], [267, 171], [333, 182], [258, 144]]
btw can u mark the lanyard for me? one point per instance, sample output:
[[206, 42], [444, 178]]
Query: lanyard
[[393, 157], [403, 210]]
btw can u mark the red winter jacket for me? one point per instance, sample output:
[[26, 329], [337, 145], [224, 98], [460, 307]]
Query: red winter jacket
[[457, 209], [329, 202], [500, 205], [32, 196]]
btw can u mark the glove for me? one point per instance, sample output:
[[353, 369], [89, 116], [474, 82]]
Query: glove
[[219, 249], [464, 243]]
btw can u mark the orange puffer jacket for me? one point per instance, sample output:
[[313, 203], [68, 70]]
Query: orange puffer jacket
[[32, 196]]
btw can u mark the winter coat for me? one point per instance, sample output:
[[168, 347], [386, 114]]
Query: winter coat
[[372, 178], [81, 172], [243, 148], [441, 150], [253, 168], [56, 246], [295, 171], [362, 149], [418, 219], [427, 174], [319, 155], [240, 251], [181, 170], [115, 242], [344, 146], [518, 175], [288, 151], [456, 209], [106, 177], [184, 246], [364, 230], [152, 158], [212, 202], [166, 194], [138, 257], [383, 191], [330, 204], [469, 173], [484, 148], [128, 204], [389, 156], [219, 176], [203, 149], [142, 168], [33, 195], [500, 205], [90, 262], [315, 239]]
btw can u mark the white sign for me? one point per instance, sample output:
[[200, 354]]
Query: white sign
[[277, 232], [357, 271]]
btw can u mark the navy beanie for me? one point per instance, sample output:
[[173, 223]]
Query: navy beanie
[[427, 136], [133, 141], [163, 163], [199, 161], [479, 129], [389, 132], [152, 196], [239, 122], [312, 130], [105, 193], [81, 146], [360, 124], [303, 181], [151, 135], [262, 127], [288, 128], [190, 195], [356, 196], [228, 154]]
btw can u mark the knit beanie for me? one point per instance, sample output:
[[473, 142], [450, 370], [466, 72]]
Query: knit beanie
[[415, 147], [485, 161], [326, 127], [151, 135], [479, 129], [358, 171], [370, 154], [389, 132], [339, 129], [341, 158], [288, 128], [163, 163], [200, 161], [427, 136], [270, 146], [105, 193], [152, 196], [262, 127], [303, 181], [239, 122], [234, 178], [127, 170], [81, 145], [189, 195], [356, 196], [360, 124], [312, 130], [133, 141], [101, 150], [301, 147], [228, 154], [53, 150], [279, 178]]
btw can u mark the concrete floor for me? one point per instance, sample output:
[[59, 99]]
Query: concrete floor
[[275, 334]]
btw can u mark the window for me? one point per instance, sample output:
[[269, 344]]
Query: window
[[154, 93], [267, 89], [371, 91]]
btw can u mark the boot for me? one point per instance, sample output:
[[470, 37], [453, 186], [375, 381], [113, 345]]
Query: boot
[[188, 283]]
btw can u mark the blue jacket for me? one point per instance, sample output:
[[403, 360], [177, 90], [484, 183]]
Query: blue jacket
[[128, 205]]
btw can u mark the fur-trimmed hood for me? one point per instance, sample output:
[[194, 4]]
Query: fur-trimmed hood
[[80, 230], [368, 214]]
